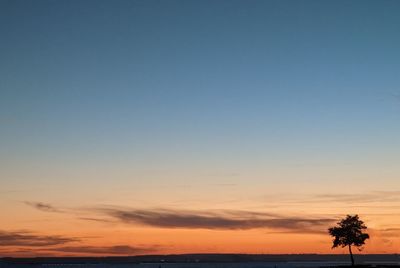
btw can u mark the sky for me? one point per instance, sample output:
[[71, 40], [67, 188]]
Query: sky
[[143, 127]]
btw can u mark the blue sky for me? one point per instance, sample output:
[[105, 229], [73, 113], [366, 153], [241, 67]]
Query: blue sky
[[198, 85]]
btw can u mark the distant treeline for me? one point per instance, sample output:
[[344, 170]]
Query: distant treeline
[[204, 258]]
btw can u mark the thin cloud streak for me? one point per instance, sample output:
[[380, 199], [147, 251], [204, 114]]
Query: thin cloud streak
[[304, 231], [112, 250], [43, 206], [212, 220], [367, 198], [376, 196], [24, 238], [96, 220], [390, 232], [221, 220]]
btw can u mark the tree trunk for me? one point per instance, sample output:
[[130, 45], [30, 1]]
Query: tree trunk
[[351, 256]]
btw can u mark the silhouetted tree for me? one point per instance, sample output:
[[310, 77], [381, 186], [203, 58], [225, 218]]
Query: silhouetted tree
[[349, 232]]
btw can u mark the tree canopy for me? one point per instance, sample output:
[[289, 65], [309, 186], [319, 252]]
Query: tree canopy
[[349, 232]]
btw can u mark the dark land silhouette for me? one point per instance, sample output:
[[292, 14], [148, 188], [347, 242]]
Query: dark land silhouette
[[348, 233], [209, 258]]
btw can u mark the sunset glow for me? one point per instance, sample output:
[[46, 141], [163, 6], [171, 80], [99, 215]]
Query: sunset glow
[[160, 127]]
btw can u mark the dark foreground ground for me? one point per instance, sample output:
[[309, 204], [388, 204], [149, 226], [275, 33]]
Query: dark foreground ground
[[208, 261]]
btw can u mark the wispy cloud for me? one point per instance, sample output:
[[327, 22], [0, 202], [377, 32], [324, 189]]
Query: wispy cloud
[[365, 199], [112, 250], [205, 219], [390, 232], [218, 220], [8, 191], [24, 238], [303, 231], [96, 219], [43, 206], [396, 96], [375, 196]]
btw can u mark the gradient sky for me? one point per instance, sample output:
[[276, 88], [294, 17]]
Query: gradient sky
[[135, 127]]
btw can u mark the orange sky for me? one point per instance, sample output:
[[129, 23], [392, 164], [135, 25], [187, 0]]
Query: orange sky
[[293, 225]]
